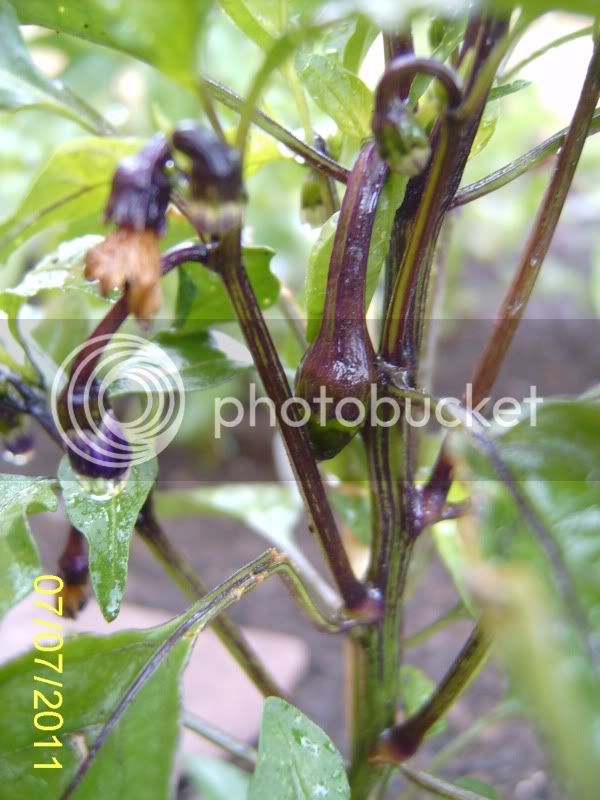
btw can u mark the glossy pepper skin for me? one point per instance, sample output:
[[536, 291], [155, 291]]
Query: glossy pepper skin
[[340, 364]]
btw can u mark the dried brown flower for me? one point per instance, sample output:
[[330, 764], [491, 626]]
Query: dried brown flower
[[129, 259]]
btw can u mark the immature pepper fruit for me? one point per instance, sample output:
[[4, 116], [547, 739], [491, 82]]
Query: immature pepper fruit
[[215, 183], [340, 364], [401, 141], [130, 257]]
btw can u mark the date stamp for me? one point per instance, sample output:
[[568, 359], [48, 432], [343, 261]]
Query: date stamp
[[47, 690]]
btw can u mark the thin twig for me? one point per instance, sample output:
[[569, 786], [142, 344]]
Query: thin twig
[[401, 742], [151, 532], [239, 750], [318, 161]]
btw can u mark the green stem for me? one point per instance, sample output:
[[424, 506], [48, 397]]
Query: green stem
[[438, 787], [196, 619], [239, 750], [318, 161], [568, 37], [519, 166], [455, 614], [402, 741], [276, 56]]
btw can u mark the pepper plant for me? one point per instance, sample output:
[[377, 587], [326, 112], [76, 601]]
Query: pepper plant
[[513, 509]]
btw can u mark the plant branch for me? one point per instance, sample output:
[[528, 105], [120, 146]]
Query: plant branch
[[510, 172], [196, 619], [455, 614], [437, 786], [540, 238], [568, 37], [193, 587], [33, 403], [318, 161], [402, 741], [239, 750]]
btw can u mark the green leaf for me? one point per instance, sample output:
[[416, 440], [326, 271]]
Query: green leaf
[[555, 463], [22, 85], [269, 509], [97, 670], [61, 270], [320, 256], [107, 521], [202, 300], [165, 36], [19, 557], [556, 682], [340, 94], [417, 688], [73, 184], [263, 21], [363, 34], [506, 89], [202, 360], [484, 134], [354, 510], [257, 20], [454, 553], [296, 759], [216, 779]]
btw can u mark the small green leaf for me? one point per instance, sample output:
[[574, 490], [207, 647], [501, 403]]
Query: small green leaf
[[202, 360], [165, 36], [484, 134], [454, 553], [22, 85], [318, 264], [96, 672], [202, 300], [107, 521], [340, 94], [296, 759], [416, 689], [354, 509], [506, 89], [73, 184], [216, 779], [19, 557]]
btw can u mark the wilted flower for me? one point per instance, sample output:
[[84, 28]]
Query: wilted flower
[[130, 257], [216, 188]]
